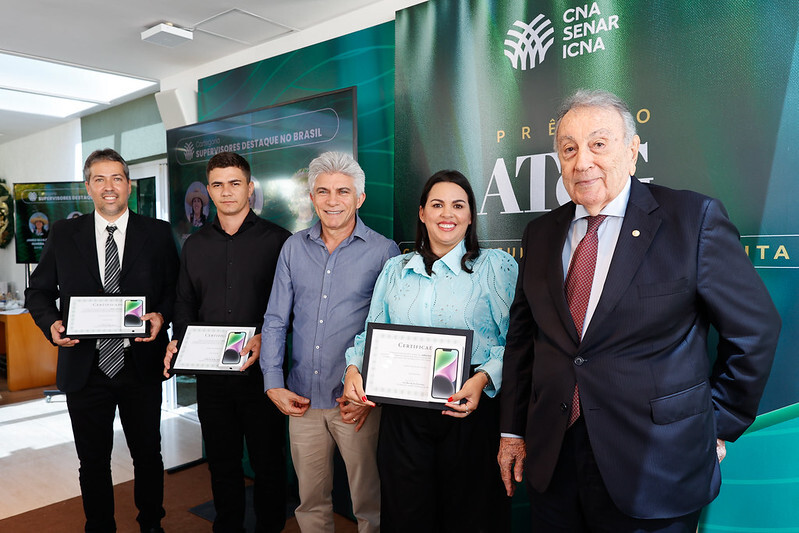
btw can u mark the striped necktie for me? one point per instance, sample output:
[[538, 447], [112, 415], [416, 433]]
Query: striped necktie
[[112, 356]]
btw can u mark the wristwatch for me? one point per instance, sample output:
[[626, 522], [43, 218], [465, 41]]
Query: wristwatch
[[489, 383]]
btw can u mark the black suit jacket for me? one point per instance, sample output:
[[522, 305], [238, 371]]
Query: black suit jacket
[[69, 266], [654, 402]]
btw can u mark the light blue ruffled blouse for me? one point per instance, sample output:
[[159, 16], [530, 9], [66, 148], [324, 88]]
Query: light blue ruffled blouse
[[451, 298]]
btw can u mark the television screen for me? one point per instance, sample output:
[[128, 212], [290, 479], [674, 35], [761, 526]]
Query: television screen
[[278, 142], [39, 205]]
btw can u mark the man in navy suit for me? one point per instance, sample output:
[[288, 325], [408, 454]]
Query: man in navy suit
[[73, 263], [615, 413]]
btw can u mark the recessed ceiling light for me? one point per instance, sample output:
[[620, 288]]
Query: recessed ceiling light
[[37, 104], [34, 85]]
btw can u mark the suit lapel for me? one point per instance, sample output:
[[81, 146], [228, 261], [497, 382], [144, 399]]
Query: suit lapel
[[135, 239], [555, 275], [86, 244], [637, 233]]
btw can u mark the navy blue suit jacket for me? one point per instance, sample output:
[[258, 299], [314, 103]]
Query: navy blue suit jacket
[[69, 266], [654, 401]]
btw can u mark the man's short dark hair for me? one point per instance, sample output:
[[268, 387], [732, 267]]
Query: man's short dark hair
[[107, 154], [228, 159]]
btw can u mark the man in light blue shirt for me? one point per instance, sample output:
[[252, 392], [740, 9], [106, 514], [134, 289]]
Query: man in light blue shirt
[[322, 290]]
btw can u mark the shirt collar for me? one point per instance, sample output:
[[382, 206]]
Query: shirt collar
[[616, 208], [248, 222], [315, 232], [121, 223], [452, 260]]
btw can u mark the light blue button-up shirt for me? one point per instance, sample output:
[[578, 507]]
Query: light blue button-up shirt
[[450, 298], [324, 297]]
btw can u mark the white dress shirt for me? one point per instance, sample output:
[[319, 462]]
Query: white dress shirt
[[608, 234], [101, 236]]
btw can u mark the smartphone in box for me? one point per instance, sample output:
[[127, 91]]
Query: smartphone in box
[[445, 372], [134, 309], [233, 345]]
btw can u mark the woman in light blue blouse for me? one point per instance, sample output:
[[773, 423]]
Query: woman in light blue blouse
[[439, 473]]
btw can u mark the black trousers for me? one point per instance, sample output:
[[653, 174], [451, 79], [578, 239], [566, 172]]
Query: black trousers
[[440, 474], [577, 500], [92, 411], [233, 409]]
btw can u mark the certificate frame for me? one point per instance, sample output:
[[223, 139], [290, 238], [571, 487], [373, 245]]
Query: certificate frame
[[104, 316], [205, 345], [411, 365]]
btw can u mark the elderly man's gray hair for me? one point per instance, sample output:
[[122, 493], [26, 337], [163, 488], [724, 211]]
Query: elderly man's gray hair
[[601, 99], [337, 163]]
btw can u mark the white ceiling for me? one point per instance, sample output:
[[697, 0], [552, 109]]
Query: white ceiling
[[106, 35]]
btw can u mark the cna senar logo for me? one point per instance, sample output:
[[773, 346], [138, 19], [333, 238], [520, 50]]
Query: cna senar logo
[[584, 28], [582, 32], [528, 47], [188, 151]]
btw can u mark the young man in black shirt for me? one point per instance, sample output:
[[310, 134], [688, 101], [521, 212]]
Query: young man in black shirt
[[226, 273]]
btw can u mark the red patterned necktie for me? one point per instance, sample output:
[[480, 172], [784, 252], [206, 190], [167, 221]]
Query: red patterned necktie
[[578, 288]]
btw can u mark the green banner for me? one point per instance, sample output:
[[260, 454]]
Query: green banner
[[713, 87]]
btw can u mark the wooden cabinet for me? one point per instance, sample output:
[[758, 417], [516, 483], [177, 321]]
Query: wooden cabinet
[[30, 358]]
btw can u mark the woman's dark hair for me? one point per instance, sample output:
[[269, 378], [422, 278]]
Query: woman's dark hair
[[470, 239]]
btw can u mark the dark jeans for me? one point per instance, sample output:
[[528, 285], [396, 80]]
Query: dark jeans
[[233, 409], [577, 501], [92, 411]]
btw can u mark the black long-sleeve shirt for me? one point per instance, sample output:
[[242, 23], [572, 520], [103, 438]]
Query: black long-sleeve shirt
[[226, 279]]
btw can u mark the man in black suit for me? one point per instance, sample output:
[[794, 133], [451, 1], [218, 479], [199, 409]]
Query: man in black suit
[[608, 392], [108, 251]]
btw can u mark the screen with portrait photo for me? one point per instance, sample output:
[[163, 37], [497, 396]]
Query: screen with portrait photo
[[39, 205], [277, 141]]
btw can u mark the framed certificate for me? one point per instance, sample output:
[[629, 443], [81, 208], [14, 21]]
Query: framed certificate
[[415, 366], [106, 316], [212, 349]]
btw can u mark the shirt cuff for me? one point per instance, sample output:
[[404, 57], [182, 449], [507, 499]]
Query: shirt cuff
[[352, 358], [274, 380], [492, 367]]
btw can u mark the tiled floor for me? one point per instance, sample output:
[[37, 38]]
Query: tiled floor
[[38, 463]]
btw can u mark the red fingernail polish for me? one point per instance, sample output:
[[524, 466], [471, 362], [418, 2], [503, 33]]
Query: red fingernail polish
[[363, 398], [450, 399]]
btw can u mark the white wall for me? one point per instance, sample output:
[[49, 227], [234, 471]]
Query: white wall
[[51, 155]]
